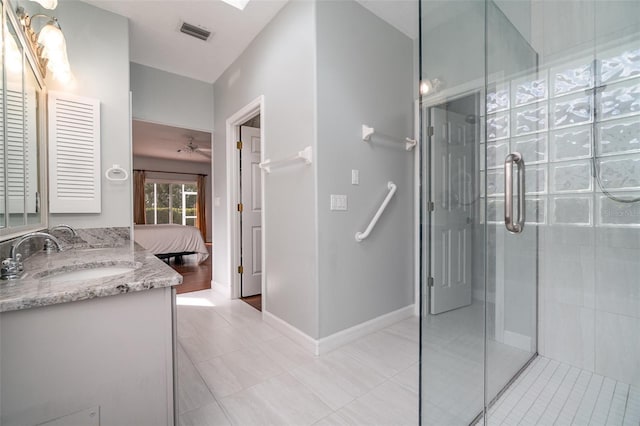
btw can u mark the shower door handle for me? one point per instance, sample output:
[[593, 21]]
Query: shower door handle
[[515, 228]]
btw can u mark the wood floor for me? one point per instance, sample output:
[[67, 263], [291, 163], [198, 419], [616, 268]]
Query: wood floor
[[255, 301], [194, 276]]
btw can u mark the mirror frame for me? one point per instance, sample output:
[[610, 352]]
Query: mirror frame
[[30, 59]]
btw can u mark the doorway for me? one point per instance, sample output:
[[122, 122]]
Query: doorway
[[250, 208], [245, 147], [455, 211]]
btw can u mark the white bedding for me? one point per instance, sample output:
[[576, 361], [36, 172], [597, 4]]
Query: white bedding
[[160, 239]]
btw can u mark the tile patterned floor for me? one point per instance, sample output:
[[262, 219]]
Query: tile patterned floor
[[453, 366], [553, 393], [235, 370]]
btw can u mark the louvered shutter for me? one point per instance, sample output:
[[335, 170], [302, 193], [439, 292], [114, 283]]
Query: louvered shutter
[[74, 154], [21, 151]]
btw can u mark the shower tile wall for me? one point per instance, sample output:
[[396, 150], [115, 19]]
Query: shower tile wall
[[589, 268]]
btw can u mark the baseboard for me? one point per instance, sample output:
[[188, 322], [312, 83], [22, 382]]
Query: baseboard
[[304, 340], [334, 341], [222, 289], [341, 338], [517, 340]]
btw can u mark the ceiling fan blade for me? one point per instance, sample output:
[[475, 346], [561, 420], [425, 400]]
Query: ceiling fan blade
[[204, 154]]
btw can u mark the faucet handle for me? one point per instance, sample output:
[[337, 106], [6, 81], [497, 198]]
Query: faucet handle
[[11, 268]]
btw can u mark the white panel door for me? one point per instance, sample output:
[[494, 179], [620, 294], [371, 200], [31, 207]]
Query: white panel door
[[453, 197], [251, 199]]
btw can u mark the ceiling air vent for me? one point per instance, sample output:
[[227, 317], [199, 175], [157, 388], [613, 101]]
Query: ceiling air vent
[[195, 31]]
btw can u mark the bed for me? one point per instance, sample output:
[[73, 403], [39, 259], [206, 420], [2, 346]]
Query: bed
[[167, 241]]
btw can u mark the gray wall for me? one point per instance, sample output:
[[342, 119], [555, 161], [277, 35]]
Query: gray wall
[[187, 167], [278, 64], [98, 48], [166, 98], [462, 24], [365, 70], [518, 12], [459, 24]]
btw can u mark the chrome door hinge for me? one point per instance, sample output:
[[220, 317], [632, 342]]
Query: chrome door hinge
[[430, 131], [431, 206], [239, 144], [240, 207], [240, 269], [430, 282]]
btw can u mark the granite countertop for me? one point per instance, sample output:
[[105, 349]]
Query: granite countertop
[[35, 288]]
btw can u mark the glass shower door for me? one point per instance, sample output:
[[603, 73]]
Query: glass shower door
[[452, 321], [482, 126], [515, 181]]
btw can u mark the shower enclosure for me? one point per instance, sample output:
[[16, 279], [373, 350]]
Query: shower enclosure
[[530, 162]]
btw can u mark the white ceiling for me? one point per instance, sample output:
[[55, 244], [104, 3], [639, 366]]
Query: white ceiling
[[159, 141], [402, 14], [156, 42]]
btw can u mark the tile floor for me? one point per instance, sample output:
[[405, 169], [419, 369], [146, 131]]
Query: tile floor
[[453, 366], [549, 392], [233, 369]]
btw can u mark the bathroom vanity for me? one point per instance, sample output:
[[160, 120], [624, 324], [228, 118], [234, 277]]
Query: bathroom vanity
[[86, 337]]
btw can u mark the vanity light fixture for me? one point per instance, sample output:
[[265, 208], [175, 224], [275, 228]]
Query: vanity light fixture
[[47, 4], [48, 44], [12, 55]]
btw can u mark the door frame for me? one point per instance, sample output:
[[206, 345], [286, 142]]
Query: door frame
[[233, 124]]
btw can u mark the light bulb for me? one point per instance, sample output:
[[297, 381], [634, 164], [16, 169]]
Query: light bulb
[[55, 51], [51, 37], [13, 55], [425, 87], [430, 86]]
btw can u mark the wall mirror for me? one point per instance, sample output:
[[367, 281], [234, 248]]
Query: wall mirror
[[23, 198]]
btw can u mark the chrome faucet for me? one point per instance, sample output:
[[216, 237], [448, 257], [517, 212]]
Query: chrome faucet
[[66, 227], [49, 246], [12, 266]]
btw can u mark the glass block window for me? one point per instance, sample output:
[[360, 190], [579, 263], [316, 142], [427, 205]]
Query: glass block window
[[569, 121]]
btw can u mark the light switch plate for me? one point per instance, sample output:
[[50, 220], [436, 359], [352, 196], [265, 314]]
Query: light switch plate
[[355, 177], [338, 202]]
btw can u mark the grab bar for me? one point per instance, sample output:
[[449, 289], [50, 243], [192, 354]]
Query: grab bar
[[304, 155], [367, 131], [514, 157], [362, 235]]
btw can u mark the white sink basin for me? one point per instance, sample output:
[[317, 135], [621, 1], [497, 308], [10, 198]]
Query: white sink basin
[[91, 273]]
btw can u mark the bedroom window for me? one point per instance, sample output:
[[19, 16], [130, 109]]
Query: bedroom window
[[170, 203]]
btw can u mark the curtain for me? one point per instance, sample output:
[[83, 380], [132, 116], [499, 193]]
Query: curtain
[[201, 216], [139, 216]]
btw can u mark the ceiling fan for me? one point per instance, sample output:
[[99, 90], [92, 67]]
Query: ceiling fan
[[191, 148]]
